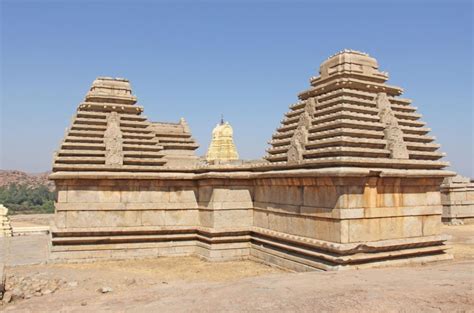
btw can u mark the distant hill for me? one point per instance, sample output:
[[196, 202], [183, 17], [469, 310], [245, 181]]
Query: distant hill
[[9, 177]]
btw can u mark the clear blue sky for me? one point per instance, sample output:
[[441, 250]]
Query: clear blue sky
[[247, 60]]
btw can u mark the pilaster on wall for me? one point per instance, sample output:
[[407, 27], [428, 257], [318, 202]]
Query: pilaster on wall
[[225, 207]]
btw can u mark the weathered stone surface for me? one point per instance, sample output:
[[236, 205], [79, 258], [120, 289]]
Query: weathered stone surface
[[5, 226], [113, 141], [392, 131], [350, 116], [177, 142], [457, 197]]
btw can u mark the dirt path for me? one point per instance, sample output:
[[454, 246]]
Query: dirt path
[[433, 288]]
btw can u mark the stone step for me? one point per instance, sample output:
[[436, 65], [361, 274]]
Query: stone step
[[294, 113], [86, 133], [109, 107], [347, 142], [141, 141], [144, 160], [357, 94], [351, 132], [123, 116], [135, 147], [422, 146], [341, 99], [345, 115], [425, 155], [415, 130], [81, 153], [346, 107], [347, 123], [403, 108], [80, 160], [285, 134], [411, 123], [288, 127], [87, 127], [83, 139], [82, 146], [347, 151]]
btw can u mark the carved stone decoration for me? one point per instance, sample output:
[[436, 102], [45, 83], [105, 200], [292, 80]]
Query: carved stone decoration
[[393, 133], [300, 137], [297, 148], [113, 141]]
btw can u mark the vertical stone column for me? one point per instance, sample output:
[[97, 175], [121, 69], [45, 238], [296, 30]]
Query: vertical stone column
[[226, 210]]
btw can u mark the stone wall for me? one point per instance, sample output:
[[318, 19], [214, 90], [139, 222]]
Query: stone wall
[[457, 194], [284, 218], [349, 210]]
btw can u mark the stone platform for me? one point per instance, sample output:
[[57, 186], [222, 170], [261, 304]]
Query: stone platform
[[299, 219]]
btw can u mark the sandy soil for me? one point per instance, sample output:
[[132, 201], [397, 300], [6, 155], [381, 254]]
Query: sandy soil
[[27, 220], [191, 285]]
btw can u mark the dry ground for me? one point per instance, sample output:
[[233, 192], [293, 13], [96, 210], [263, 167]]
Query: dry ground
[[191, 285], [25, 220]]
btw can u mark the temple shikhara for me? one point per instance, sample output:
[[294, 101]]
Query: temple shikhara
[[222, 147], [351, 179]]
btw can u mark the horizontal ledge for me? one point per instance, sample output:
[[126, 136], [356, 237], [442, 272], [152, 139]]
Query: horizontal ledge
[[177, 174], [255, 233]]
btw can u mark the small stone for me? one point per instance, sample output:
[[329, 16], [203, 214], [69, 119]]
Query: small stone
[[7, 297], [83, 303], [46, 292], [17, 293], [72, 284], [106, 289]]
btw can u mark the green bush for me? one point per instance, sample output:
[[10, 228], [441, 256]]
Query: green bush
[[21, 199]]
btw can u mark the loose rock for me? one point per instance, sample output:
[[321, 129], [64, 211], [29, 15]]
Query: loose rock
[[7, 297], [72, 284], [106, 289]]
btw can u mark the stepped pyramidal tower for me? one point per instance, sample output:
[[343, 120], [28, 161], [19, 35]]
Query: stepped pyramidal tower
[[177, 142], [110, 134], [222, 147], [351, 117]]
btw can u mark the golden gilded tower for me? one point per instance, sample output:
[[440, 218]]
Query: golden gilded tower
[[222, 147]]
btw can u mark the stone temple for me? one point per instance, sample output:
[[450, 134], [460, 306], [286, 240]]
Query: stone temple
[[222, 147], [351, 179]]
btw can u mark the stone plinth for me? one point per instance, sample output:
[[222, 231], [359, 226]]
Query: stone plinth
[[299, 219], [457, 197]]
